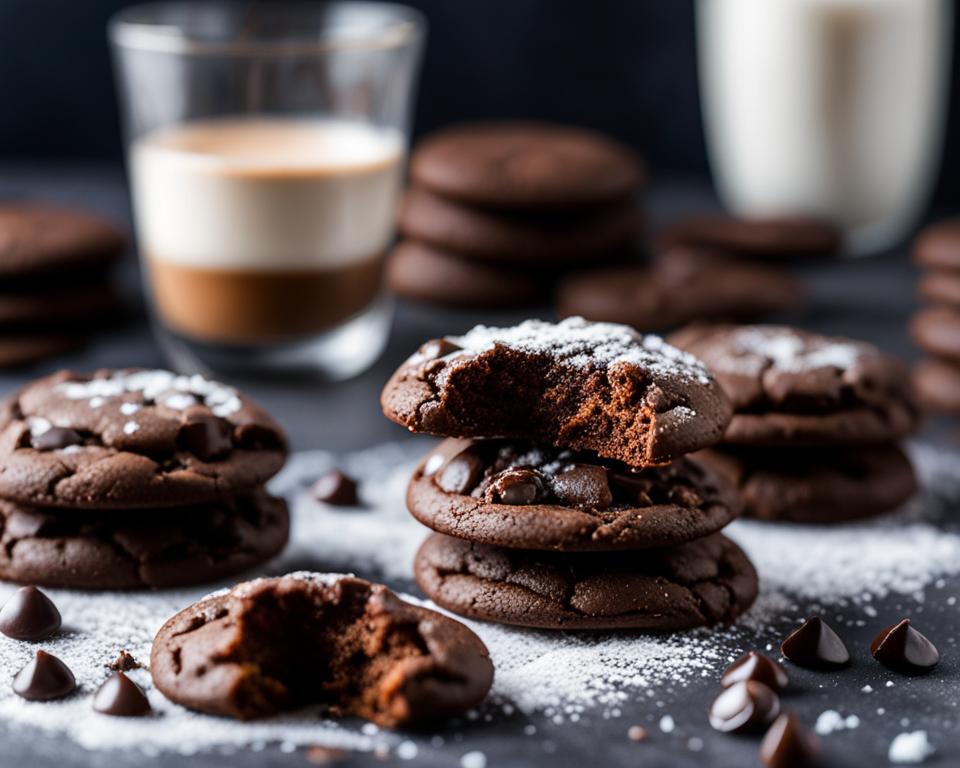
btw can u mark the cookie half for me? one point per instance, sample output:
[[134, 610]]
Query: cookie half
[[584, 386], [682, 286], [276, 644], [491, 235], [523, 165], [38, 240], [820, 486], [796, 388], [130, 549], [521, 495], [705, 582], [119, 439]]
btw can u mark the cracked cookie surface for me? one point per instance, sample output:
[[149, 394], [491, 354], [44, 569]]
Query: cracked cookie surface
[[816, 486], [580, 385], [696, 584], [276, 644], [133, 438], [790, 386], [522, 495], [121, 549]]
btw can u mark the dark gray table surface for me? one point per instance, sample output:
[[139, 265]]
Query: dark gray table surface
[[863, 298]]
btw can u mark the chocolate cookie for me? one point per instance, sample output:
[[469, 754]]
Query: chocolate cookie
[[580, 385], [132, 439], [525, 165], [774, 237], [521, 495], [818, 486], [43, 240], [129, 549], [271, 645], [937, 330], [938, 385], [680, 287], [25, 348], [938, 245], [59, 306], [422, 273], [941, 286], [492, 235], [792, 387], [700, 583]]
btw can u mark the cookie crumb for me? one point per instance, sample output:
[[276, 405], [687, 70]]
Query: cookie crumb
[[637, 733], [325, 755], [124, 662]]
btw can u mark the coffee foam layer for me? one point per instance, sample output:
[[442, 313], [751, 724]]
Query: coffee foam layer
[[266, 194]]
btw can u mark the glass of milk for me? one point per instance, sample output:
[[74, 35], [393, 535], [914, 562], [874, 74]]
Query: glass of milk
[[834, 108], [266, 149]]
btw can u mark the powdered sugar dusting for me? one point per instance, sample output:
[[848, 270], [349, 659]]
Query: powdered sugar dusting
[[583, 343], [558, 675], [760, 347]]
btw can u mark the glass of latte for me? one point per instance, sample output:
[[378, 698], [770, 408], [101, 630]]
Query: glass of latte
[[266, 150]]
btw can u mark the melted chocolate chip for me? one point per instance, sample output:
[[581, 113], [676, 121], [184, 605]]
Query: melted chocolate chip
[[336, 489], [121, 697], [206, 437], [584, 486], [634, 486], [29, 615], [814, 644], [462, 473], [44, 678], [685, 497], [756, 666], [515, 486], [788, 744], [124, 662], [743, 707], [901, 648], [438, 348], [56, 438]]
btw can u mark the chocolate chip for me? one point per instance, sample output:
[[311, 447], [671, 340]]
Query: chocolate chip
[[29, 615], [515, 486], [56, 438], [756, 666], [44, 678], [685, 497], [583, 485], [743, 707], [438, 348], [635, 487], [205, 436], [815, 645], [124, 662], [336, 489], [901, 648], [121, 697], [788, 744], [462, 473]]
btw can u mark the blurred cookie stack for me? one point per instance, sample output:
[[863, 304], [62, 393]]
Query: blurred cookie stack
[[133, 478], [710, 267], [816, 422], [55, 286], [496, 212], [936, 328], [561, 498]]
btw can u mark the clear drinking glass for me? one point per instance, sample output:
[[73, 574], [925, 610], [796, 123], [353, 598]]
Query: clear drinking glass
[[266, 148]]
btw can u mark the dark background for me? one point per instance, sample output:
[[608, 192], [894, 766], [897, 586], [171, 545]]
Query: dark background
[[627, 67]]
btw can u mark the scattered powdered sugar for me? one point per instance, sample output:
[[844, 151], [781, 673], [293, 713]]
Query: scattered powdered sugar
[[831, 720], [128, 409], [223, 400], [557, 675], [130, 427], [38, 426], [583, 343], [780, 348], [912, 747]]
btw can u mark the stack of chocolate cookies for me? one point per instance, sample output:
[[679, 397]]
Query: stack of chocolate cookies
[[497, 211], [704, 268], [561, 498], [816, 422], [55, 285], [936, 327], [133, 478]]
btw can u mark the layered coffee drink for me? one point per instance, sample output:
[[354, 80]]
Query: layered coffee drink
[[264, 230]]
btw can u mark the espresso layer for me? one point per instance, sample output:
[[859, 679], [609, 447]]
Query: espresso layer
[[250, 306]]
